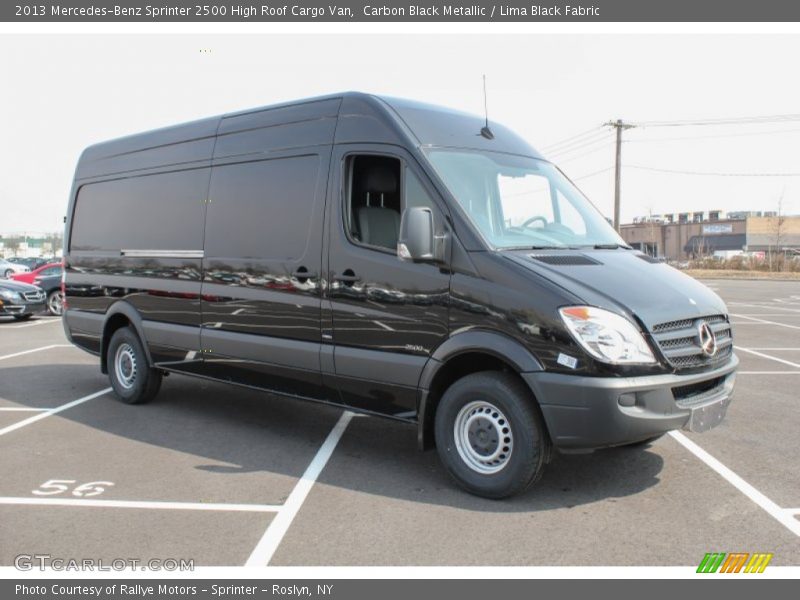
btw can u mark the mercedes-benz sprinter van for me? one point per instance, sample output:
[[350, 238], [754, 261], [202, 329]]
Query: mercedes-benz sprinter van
[[393, 258]]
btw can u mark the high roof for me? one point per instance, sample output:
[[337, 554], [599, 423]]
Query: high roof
[[351, 117]]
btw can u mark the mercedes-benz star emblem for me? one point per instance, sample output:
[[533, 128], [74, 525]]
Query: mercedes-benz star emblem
[[708, 341]]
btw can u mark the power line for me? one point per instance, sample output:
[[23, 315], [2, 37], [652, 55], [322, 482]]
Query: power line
[[601, 140], [710, 174], [578, 144], [708, 137], [722, 121], [571, 158], [587, 175], [549, 147]]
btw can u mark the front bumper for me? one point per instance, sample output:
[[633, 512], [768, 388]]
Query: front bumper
[[28, 308], [584, 413]]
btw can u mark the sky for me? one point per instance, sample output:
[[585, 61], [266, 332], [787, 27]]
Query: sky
[[61, 93]]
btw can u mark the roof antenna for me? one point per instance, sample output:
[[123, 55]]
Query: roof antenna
[[485, 131]]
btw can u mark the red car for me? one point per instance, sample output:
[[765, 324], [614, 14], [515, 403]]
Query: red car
[[43, 271]]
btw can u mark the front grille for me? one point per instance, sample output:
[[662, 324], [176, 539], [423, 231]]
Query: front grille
[[679, 341], [37, 296]]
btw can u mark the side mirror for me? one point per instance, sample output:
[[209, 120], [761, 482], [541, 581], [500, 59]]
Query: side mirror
[[416, 240]]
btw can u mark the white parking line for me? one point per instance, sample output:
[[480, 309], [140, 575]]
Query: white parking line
[[384, 325], [775, 511], [34, 324], [35, 350], [269, 542], [52, 411], [787, 349], [762, 355], [764, 321], [87, 502], [767, 373], [766, 305], [767, 315], [22, 408]]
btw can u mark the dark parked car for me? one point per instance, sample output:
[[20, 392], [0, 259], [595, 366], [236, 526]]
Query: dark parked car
[[51, 284], [20, 300], [393, 258]]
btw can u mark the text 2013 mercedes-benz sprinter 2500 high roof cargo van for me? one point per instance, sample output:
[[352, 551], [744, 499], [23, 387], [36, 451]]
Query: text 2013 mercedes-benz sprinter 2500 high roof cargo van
[[392, 258]]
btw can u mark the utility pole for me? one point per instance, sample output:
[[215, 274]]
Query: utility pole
[[619, 125]]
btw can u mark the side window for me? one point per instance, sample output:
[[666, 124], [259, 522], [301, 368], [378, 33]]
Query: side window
[[373, 200], [414, 193], [51, 271], [262, 210], [151, 212]]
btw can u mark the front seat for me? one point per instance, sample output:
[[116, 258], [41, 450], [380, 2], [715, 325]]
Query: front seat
[[377, 224]]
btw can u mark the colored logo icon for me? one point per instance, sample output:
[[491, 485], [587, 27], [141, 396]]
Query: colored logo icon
[[734, 562]]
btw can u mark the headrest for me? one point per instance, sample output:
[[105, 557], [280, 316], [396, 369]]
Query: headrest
[[380, 180]]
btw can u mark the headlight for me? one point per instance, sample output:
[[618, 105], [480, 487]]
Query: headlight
[[607, 336], [10, 296]]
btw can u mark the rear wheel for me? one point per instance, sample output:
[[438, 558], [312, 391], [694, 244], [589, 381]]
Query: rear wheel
[[133, 380], [55, 303], [490, 436], [8, 273]]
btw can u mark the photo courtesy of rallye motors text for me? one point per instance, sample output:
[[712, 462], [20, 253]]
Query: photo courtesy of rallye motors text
[[144, 591], [109, 589], [397, 259]]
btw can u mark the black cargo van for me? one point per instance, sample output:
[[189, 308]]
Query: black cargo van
[[393, 258]]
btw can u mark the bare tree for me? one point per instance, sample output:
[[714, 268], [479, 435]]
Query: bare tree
[[778, 229]]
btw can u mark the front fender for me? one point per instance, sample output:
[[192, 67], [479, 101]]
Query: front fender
[[498, 345]]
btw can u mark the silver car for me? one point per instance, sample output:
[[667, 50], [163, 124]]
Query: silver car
[[7, 268]]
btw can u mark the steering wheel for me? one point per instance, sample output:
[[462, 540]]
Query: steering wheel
[[533, 220]]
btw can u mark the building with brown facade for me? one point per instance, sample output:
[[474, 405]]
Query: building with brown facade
[[689, 235]]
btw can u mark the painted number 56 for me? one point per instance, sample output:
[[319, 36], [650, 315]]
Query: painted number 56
[[84, 490]]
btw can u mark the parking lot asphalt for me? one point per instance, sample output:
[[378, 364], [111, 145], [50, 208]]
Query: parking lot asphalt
[[228, 476]]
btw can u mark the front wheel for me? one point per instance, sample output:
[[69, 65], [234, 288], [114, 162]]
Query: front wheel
[[55, 303], [133, 380], [8, 273], [490, 435]]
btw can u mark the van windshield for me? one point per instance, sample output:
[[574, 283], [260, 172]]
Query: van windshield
[[520, 202]]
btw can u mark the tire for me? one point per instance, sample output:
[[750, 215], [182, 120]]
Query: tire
[[8, 273], [55, 303], [133, 380], [22, 317], [478, 406]]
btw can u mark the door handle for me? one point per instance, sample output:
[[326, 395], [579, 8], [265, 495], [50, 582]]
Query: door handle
[[347, 278], [303, 274]]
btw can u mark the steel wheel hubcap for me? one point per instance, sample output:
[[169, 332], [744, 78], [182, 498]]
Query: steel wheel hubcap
[[483, 437], [125, 366]]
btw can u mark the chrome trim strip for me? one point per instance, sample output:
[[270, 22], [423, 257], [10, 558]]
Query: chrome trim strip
[[162, 253]]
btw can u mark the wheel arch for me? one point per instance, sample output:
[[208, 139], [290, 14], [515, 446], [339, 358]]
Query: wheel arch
[[460, 355], [121, 314]]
